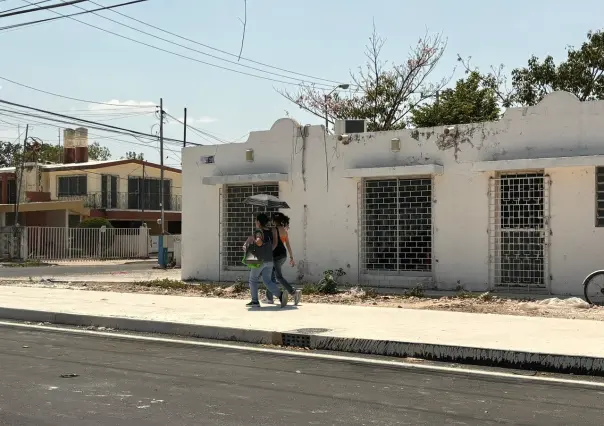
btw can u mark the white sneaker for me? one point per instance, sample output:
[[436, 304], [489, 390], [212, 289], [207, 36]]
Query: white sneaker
[[268, 302], [284, 298], [297, 297]]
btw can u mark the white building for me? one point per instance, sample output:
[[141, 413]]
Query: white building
[[511, 205]]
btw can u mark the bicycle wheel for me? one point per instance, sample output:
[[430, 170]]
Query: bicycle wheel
[[593, 288]]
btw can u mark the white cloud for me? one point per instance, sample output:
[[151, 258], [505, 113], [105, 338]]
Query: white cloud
[[113, 103]]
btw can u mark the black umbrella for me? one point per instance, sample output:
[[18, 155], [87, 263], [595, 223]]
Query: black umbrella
[[267, 201]]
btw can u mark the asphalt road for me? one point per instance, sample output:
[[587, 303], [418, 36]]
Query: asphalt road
[[134, 383], [71, 270]]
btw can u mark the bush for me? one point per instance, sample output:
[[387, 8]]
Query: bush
[[88, 242], [95, 222], [329, 282], [417, 291]]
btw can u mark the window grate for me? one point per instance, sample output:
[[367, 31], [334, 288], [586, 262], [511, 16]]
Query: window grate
[[238, 219], [396, 225], [518, 230], [599, 197]]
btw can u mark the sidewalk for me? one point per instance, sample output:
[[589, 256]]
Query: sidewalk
[[544, 343]]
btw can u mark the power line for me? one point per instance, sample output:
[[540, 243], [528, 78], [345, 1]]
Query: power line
[[88, 122], [178, 54], [24, 24], [96, 137], [219, 50], [203, 134], [23, 7], [140, 143], [196, 50], [37, 9], [69, 97]]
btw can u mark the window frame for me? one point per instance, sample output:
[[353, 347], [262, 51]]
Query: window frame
[[77, 178]]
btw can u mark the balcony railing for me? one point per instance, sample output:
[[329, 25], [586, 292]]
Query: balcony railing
[[128, 201]]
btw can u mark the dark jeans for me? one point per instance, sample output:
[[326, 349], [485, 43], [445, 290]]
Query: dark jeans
[[278, 274]]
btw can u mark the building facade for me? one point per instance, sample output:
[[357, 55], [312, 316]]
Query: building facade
[[126, 192], [515, 205]]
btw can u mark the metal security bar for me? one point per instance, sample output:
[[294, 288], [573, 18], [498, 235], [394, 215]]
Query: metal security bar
[[50, 243], [519, 231], [238, 220], [599, 196], [396, 225]]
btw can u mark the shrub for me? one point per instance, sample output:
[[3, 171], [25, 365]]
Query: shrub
[[329, 282], [87, 243], [417, 291], [95, 222]]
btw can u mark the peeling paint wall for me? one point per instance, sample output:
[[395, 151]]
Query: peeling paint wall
[[324, 204]]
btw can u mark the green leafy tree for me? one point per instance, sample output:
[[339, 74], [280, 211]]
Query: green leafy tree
[[468, 102], [131, 155], [581, 73], [11, 153], [381, 93], [8, 152], [97, 152]]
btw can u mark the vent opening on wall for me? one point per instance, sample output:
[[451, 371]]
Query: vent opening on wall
[[207, 159]]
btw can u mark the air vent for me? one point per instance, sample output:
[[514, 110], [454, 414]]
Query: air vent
[[207, 159], [346, 127]]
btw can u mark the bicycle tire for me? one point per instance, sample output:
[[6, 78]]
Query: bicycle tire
[[588, 280]]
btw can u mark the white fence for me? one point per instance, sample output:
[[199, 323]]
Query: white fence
[[46, 243]]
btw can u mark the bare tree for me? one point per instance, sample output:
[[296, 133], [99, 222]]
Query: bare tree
[[382, 93]]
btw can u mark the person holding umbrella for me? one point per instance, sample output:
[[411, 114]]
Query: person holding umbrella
[[281, 249], [259, 247]]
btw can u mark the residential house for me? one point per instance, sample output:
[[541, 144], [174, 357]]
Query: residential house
[[126, 192], [514, 205]]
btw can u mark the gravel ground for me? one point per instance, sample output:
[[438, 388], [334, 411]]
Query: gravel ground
[[571, 308]]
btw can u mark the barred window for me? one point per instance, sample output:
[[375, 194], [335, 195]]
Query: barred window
[[397, 225], [239, 219], [600, 196]]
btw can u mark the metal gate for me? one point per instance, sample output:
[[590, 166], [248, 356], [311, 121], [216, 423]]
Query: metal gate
[[237, 220], [396, 225], [519, 232]]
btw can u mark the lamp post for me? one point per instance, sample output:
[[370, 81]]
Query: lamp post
[[340, 86]]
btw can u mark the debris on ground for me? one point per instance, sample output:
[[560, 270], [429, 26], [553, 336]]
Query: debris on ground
[[462, 301]]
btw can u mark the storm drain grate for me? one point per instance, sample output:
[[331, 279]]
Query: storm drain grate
[[297, 340]]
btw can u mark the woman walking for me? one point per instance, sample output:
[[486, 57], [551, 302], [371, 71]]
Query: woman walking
[[281, 249], [261, 245]]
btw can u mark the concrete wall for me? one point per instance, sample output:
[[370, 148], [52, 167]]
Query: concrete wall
[[324, 203]]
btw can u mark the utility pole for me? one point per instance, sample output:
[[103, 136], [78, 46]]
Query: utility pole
[[184, 137], [59, 129], [161, 154], [20, 182], [162, 258]]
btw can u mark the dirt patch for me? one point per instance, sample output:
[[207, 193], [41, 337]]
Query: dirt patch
[[462, 302]]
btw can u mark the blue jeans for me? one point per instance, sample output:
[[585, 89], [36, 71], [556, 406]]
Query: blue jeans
[[263, 271], [277, 275]]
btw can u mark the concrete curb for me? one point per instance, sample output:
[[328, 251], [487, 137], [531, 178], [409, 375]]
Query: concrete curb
[[447, 353]]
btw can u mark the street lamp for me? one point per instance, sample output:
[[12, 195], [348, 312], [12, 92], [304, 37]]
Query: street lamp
[[340, 86]]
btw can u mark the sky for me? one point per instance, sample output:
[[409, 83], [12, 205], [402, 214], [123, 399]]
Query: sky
[[321, 38]]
